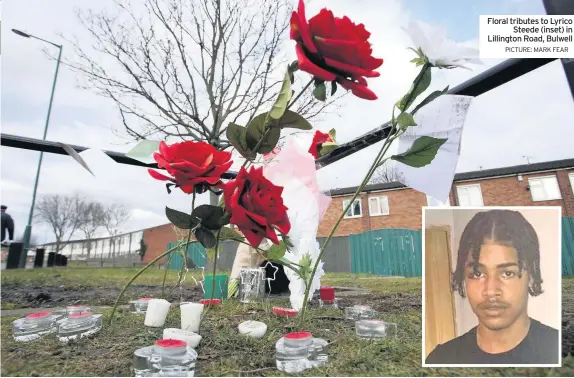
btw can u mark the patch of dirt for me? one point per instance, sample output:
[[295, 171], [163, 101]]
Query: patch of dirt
[[60, 296], [389, 303]]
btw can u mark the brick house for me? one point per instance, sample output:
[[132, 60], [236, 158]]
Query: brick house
[[392, 205]]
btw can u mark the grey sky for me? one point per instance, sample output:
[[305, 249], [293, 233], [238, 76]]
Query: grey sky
[[531, 116]]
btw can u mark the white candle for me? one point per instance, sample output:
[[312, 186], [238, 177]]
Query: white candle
[[191, 338], [156, 313], [253, 329], [190, 316]]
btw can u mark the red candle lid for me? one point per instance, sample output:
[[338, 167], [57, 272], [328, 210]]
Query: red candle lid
[[210, 302], [38, 315], [291, 312], [279, 310], [298, 335], [327, 293], [146, 299], [80, 315], [170, 343]]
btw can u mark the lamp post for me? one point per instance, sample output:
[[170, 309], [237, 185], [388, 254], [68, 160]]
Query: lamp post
[[28, 229]]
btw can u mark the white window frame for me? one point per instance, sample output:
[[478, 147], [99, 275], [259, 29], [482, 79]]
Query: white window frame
[[379, 198], [467, 186], [441, 204], [346, 202], [540, 178], [571, 177]]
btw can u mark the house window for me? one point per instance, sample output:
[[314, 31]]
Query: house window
[[379, 206], [544, 188], [571, 177], [355, 210], [469, 195], [433, 202]]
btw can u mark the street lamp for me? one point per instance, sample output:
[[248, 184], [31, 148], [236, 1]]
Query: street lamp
[[28, 229]]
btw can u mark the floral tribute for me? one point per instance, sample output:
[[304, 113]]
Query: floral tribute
[[333, 50]]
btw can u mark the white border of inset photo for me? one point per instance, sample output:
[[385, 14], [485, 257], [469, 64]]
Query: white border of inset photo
[[558, 287]]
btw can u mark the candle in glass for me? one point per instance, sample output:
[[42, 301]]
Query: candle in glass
[[156, 313], [191, 316]]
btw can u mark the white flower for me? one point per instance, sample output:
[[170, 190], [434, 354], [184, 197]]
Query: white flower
[[296, 172], [438, 50]]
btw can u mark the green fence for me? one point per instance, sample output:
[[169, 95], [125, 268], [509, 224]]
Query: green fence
[[388, 252], [195, 252], [567, 246]]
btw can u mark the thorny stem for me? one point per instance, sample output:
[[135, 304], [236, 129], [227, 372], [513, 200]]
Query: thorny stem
[[378, 160], [212, 278], [137, 275], [269, 128]]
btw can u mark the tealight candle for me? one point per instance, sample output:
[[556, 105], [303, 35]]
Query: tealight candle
[[327, 294], [156, 313], [191, 338], [252, 329], [191, 316]]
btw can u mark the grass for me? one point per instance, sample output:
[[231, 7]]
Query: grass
[[223, 352]]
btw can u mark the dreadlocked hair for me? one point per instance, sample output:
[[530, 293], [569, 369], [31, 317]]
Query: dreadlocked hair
[[505, 227]]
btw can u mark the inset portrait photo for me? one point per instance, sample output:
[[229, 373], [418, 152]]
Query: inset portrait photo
[[492, 286]]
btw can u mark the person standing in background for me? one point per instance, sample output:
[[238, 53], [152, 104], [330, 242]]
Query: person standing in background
[[7, 224]]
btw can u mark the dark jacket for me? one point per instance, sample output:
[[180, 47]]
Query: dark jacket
[[7, 224]]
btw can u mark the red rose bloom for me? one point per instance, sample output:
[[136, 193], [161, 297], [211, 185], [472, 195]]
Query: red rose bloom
[[191, 164], [317, 142], [256, 206], [335, 49]]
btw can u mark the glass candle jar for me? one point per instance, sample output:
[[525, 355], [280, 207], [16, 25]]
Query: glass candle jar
[[79, 325], [299, 351], [251, 284], [359, 312], [139, 306], [166, 358], [375, 329], [33, 326]]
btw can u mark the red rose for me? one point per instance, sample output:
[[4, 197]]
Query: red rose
[[335, 49], [191, 164], [317, 142], [256, 206]]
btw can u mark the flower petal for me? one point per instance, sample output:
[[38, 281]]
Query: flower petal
[[304, 28], [158, 176], [306, 65], [359, 90], [351, 70]]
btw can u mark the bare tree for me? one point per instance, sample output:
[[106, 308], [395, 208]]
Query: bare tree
[[187, 68], [92, 219], [387, 172], [63, 214], [114, 217]]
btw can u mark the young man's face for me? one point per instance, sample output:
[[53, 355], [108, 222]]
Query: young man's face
[[497, 292]]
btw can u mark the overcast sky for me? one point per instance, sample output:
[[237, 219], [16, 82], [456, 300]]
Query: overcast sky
[[531, 116]]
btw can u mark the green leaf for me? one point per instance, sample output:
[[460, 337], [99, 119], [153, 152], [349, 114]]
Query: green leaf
[[327, 148], [333, 87], [180, 219], [277, 251], [421, 153], [211, 216], [405, 120], [420, 84], [229, 233], [256, 130], [205, 237], [320, 91], [143, 151], [282, 99], [305, 264], [430, 98], [292, 120], [236, 135], [333, 134], [287, 241]]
